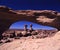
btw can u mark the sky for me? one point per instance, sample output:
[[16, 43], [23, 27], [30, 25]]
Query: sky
[[20, 25], [32, 5]]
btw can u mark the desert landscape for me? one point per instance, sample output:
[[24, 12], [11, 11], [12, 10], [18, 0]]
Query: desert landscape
[[23, 39], [29, 39], [30, 43]]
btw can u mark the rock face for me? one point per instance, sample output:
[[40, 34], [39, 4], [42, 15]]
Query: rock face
[[33, 35], [52, 43], [44, 17]]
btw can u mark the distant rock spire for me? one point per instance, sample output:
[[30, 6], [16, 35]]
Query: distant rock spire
[[31, 29], [25, 27]]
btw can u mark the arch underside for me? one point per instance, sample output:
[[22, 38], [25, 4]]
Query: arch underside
[[44, 17]]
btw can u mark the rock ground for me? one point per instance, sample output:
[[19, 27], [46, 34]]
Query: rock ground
[[49, 43]]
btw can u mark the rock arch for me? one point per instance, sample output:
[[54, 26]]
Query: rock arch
[[44, 17]]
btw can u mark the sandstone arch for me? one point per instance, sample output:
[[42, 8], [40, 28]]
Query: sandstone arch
[[44, 17]]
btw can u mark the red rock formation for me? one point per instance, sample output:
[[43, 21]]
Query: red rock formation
[[44, 17]]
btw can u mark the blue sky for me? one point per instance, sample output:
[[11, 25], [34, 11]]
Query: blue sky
[[32, 5], [20, 25]]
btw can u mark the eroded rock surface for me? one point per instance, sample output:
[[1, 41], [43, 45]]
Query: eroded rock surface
[[52, 43], [44, 17]]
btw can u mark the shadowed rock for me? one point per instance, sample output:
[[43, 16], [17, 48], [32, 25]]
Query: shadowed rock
[[44, 17]]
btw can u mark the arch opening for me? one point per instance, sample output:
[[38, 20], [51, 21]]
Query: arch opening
[[18, 30], [20, 25]]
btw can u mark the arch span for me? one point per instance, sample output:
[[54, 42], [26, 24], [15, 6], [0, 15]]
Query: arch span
[[44, 17]]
